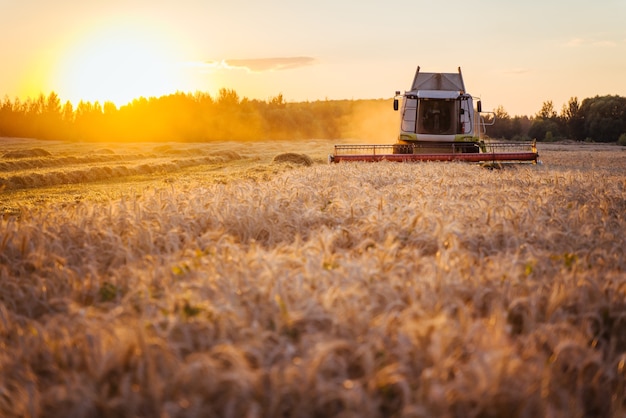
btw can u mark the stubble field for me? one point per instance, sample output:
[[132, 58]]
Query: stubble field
[[208, 280]]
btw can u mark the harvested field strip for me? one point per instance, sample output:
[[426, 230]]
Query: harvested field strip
[[34, 174], [24, 164], [10, 164], [360, 289]]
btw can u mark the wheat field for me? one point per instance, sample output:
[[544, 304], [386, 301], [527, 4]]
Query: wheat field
[[256, 280]]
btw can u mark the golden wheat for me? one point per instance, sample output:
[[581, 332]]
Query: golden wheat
[[372, 290]]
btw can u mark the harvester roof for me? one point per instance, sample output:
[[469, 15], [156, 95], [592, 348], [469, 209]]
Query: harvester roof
[[438, 81]]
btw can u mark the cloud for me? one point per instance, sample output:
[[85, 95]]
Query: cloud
[[515, 71], [574, 42], [511, 71], [580, 42], [262, 64], [605, 44]]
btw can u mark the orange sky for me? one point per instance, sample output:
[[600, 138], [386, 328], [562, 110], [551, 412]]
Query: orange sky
[[517, 55]]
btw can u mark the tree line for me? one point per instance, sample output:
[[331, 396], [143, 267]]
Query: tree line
[[598, 119], [200, 117], [194, 117]]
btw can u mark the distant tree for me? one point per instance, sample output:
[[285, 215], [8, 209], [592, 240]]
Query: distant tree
[[520, 126], [278, 101], [604, 117], [53, 104], [6, 117], [38, 106], [227, 98], [89, 122], [544, 130], [547, 111], [573, 119], [545, 126], [505, 127], [109, 108], [50, 120], [68, 112], [502, 124]]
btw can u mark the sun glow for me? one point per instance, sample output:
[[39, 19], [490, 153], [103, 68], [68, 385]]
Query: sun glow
[[119, 64]]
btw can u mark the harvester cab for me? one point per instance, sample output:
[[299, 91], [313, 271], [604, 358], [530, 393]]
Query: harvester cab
[[436, 109], [438, 122]]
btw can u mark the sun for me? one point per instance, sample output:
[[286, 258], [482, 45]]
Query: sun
[[119, 64]]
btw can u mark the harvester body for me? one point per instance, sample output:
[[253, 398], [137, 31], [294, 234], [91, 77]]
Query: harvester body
[[438, 122], [436, 109]]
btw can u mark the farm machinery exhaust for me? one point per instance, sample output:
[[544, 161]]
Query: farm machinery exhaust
[[438, 123]]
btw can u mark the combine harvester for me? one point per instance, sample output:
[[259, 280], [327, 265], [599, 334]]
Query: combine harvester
[[439, 123]]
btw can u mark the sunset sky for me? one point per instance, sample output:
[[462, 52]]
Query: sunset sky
[[513, 54]]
